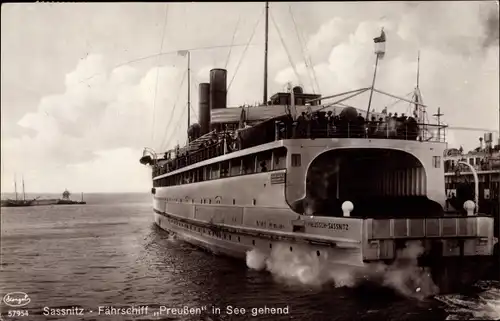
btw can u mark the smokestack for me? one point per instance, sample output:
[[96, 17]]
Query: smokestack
[[204, 108], [218, 88]]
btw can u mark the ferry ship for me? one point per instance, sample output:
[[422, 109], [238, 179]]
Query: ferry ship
[[348, 185], [474, 175]]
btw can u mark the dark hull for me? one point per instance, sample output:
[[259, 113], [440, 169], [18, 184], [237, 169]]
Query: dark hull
[[35, 203], [13, 203]]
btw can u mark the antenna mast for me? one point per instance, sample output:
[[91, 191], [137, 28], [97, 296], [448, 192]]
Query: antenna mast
[[265, 53], [15, 185], [189, 90], [438, 115], [24, 195], [418, 68]]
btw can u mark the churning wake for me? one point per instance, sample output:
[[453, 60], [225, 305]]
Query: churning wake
[[303, 266], [484, 306]]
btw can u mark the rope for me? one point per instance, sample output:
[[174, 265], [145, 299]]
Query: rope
[[174, 108], [286, 49], [232, 41], [162, 54], [176, 128], [158, 73], [302, 49], [343, 99], [311, 63], [244, 51]]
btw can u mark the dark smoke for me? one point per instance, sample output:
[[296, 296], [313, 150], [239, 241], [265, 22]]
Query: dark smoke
[[491, 26]]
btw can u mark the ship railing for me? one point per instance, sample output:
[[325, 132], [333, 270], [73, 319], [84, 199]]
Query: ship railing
[[464, 169], [189, 158], [369, 129]]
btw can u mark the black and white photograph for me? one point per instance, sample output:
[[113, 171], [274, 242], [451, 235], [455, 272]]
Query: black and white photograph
[[207, 161]]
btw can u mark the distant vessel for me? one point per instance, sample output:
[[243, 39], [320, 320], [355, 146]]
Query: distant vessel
[[351, 186], [474, 175], [65, 200], [17, 202]]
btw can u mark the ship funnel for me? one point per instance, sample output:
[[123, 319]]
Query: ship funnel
[[204, 108], [218, 88]]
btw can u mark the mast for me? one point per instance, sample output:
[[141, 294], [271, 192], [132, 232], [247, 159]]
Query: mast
[[265, 53], [418, 68], [379, 54], [183, 53], [189, 90], [24, 195], [438, 115], [15, 185]]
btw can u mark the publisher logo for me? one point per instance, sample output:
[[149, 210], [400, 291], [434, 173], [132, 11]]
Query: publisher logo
[[16, 299]]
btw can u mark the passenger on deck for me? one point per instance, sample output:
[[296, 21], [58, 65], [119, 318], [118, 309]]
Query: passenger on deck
[[322, 123], [372, 127], [360, 125], [308, 120], [302, 125], [263, 167], [329, 122], [313, 126]]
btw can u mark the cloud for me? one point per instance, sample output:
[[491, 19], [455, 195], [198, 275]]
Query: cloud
[[103, 117], [100, 110], [457, 72]]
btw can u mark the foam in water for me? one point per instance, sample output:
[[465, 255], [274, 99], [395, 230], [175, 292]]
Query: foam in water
[[303, 266], [484, 306]]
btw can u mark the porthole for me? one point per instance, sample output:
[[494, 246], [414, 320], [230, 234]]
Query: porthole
[[239, 239], [253, 242], [291, 249], [270, 245], [317, 253]]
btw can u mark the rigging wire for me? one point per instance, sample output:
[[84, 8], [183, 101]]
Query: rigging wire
[[172, 113], [245, 50], [284, 46], [302, 48], [158, 72], [175, 129], [162, 54], [311, 64], [232, 41]]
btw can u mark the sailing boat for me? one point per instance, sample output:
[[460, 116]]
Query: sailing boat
[[18, 202]]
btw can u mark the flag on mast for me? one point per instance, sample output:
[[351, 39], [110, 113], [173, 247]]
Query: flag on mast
[[182, 53], [380, 44]]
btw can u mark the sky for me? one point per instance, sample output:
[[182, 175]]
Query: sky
[[84, 88]]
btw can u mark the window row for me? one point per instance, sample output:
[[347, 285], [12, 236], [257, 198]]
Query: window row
[[249, 164]]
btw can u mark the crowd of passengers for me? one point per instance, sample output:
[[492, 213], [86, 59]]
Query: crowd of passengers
[[315, 125], [348, 124]]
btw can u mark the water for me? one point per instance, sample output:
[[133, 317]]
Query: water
[[109, 253]]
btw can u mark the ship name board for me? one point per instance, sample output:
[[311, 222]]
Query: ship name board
[[330, 226], [271, 225], [277, 178]]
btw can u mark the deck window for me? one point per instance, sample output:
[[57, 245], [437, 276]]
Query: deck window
[[296, 160], [436, 161]]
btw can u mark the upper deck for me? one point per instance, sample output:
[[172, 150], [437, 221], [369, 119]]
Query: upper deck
[[216, 144]]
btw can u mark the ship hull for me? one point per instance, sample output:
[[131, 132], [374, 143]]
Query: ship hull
[[445, 274], [231, 206]]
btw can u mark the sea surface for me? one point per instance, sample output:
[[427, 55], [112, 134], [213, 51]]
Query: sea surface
[[109, 253]]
